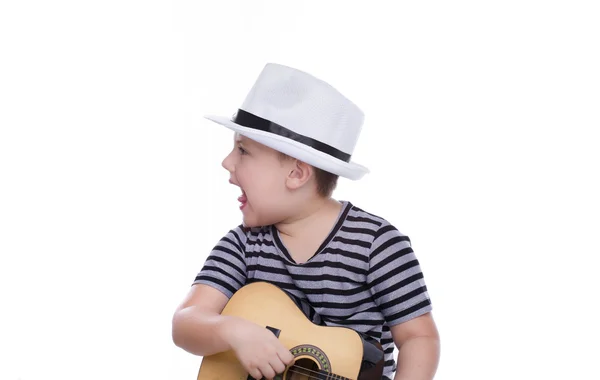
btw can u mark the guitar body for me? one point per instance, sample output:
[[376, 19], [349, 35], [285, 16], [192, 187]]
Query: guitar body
[[320, 352]]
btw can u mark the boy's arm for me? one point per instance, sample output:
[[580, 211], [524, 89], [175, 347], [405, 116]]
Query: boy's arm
[[199, 328], [197, 323], [418, 345]]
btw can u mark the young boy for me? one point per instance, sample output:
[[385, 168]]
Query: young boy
[[294, 136]]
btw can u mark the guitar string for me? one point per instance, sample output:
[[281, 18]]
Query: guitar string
[[291, 369], [315, 377]]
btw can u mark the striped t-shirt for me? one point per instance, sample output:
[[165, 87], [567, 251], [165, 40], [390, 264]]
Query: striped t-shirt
[[364, 276]]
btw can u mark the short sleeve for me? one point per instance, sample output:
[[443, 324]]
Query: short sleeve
[[225, 267], [395, 279]]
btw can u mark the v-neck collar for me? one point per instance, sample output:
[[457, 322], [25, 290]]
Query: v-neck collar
[[346, 206]]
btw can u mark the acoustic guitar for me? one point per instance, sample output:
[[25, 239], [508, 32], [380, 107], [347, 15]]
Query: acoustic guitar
[[320, 352]]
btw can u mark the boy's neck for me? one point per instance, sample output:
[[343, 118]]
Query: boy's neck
[[317, 215]]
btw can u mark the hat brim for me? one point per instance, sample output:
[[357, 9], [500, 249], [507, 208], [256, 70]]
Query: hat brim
[[311, 156]]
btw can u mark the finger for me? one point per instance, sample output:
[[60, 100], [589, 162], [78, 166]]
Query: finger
[[267, 371], [277, 365], [256, 374], [285, 356]]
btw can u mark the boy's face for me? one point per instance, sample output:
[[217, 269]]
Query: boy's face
[[261, 174]]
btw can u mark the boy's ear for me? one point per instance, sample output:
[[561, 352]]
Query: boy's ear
[[299, 174]]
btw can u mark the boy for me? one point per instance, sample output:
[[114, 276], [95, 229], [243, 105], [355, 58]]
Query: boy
[[294, 136]]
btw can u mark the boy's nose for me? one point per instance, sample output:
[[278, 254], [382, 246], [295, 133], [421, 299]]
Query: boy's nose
[[228, 164]]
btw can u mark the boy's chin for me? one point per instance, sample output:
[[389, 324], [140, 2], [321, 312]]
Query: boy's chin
[[253, 222], [250, 224]]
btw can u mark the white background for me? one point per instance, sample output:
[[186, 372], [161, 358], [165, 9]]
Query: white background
[[480, 133]]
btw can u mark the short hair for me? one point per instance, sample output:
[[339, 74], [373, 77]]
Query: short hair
[[326, 181]]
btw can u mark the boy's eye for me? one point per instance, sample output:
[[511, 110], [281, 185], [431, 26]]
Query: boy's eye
[[242, 150]]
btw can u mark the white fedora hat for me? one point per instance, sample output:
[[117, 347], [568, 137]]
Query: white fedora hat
[[302, 116]]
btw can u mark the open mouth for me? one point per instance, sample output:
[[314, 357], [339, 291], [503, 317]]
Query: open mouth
[[243, 200]]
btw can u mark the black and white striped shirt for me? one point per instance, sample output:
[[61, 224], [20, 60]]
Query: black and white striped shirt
[[365, 275]]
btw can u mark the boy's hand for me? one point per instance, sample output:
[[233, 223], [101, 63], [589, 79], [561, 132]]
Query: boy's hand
[[258, 349]]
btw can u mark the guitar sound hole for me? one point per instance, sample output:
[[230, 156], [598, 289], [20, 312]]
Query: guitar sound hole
[[303, 369]]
